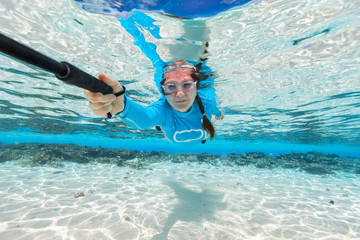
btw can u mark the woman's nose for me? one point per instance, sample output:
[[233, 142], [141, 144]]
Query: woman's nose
[[180, 92]]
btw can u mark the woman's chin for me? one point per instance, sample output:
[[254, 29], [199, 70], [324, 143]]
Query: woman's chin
[[182, 108]]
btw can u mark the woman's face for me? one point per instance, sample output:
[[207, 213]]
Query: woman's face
[[180, 101]]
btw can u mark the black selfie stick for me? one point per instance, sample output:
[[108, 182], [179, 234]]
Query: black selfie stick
[[62, 70]]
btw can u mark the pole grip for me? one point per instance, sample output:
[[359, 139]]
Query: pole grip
[[84, 80], [62, 70]]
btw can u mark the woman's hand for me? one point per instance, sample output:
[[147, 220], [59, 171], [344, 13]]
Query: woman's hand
[[101, 104], [221, 117]]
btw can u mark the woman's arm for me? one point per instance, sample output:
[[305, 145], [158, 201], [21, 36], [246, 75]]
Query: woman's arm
[[131, 112], [141, 117]]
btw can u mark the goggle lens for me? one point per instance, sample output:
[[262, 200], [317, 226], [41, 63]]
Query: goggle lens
[[185, 86]]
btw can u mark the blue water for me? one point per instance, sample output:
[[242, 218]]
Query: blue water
[[287, 74], [287, 79], [182, 8]]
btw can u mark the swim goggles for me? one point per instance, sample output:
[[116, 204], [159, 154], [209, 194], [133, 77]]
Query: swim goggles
[[172, 68], [186, 86]]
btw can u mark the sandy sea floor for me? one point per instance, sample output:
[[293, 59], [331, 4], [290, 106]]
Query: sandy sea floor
[[169, 200]]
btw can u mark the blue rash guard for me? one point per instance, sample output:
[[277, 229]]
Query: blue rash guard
[[178, 126]]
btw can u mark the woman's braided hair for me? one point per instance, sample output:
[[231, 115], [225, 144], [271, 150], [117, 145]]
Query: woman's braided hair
[[198, 76]]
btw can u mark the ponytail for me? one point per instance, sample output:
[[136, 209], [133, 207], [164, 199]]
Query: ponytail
[[206, 123], [199, 76]]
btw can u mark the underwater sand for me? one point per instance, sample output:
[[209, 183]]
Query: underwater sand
[[168, 200]]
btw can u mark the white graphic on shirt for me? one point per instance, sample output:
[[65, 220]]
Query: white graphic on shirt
[[189, 135]]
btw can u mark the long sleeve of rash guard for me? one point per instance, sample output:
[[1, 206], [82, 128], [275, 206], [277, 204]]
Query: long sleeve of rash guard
[[141, 117]]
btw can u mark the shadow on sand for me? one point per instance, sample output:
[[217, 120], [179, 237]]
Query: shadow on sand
[[192, 206]]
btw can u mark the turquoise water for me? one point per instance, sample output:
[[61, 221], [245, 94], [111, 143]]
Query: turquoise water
[[287, 81], [284, 76]]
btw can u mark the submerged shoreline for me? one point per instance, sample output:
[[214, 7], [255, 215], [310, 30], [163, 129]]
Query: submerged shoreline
[[53, 155], [65, 191]]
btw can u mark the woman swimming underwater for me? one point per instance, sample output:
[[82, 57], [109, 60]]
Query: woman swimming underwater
[[181, 113]]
